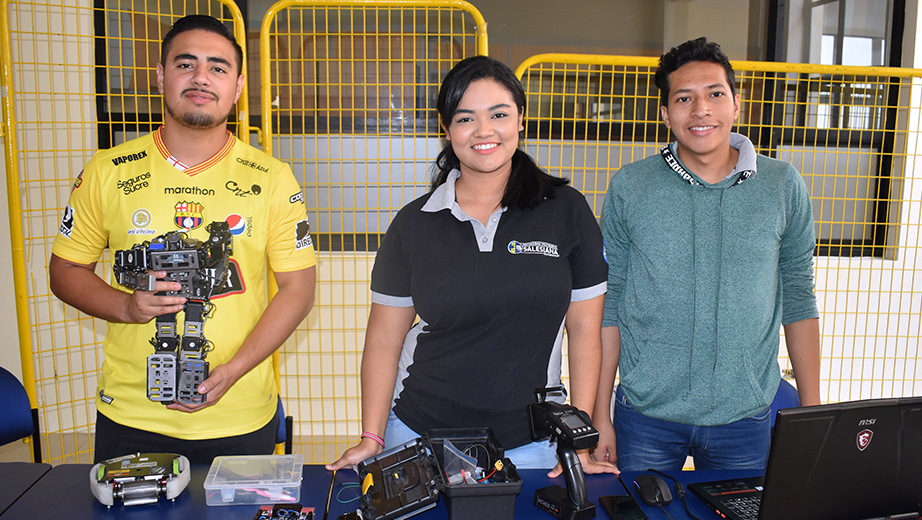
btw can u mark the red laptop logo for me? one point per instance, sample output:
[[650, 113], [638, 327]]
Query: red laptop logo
[[864, 439]]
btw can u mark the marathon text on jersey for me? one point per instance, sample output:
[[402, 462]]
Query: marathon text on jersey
[[188, 190]]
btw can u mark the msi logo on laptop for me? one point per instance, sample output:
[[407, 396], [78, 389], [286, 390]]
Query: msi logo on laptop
[[864, 439]]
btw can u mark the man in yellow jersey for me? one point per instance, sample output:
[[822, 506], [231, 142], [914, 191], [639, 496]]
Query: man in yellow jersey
[[190, 172]]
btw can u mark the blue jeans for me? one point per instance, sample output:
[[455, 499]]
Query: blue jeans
[[644, 442], [536, 455]]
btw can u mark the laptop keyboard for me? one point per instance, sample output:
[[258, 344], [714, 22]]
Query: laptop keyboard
[[746, 507]]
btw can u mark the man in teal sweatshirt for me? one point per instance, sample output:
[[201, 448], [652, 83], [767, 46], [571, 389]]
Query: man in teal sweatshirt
[[710, 250]]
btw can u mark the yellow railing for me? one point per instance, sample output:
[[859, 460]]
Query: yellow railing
[[853, 132], [348, 95], [7, 125], [67, 93]]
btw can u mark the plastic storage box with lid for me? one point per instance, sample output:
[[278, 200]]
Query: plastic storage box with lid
[[409, 478], [254, 479]]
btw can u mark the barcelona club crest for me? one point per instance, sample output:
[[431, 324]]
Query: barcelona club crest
[[188, 215]]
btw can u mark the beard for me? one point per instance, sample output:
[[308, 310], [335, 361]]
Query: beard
[[194, 119]]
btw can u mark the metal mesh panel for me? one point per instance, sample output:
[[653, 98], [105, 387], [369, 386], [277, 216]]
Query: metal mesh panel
[[348, 99], [347, 94], [853, 134], [78, 76]]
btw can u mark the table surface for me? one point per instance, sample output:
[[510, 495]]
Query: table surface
[[65, 489], [16, 478]]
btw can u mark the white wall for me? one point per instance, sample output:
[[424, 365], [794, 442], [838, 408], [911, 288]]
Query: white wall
[[723, 21]]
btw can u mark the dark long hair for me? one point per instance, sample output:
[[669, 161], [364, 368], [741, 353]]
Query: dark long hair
[[528, 184]]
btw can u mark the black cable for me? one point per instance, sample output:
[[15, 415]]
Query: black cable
[[689, 513], [326, 510], [679, 491], [624, 485], [663, 509]]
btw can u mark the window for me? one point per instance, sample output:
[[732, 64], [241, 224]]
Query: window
[[838, 129], [128, 35]]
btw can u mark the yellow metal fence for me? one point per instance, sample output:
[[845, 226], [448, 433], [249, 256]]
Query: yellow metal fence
[[348, 99], [346, 96], [853, 133], [76, 77]]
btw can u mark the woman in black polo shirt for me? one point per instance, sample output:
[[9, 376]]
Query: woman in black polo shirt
[[496, 260]]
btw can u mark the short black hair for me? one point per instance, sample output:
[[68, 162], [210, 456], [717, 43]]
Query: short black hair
[[528, 184], [692, 50], [201, 22]]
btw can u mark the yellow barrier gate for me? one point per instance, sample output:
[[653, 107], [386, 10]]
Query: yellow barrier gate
[[853, 132], [346, 96], [348, 99], [76, 78]]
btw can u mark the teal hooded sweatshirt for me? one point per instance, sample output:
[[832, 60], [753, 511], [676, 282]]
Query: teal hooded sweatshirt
[[701, 277]]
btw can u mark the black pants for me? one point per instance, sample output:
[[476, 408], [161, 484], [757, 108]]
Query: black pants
[[114, 440]]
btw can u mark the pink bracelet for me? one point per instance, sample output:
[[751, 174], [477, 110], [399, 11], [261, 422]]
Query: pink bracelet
[[369, 435]]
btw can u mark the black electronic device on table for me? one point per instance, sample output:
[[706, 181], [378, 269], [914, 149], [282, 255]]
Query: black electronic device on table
[[410, 478], [845, 461], [622, 507], [572, 429], [398, 482], [285, 512], [653, 490]]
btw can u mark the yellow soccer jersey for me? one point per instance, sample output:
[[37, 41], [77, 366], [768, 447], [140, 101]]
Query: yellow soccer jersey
[[133, 192]]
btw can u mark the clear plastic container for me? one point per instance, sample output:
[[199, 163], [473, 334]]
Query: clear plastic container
[[254, 479]]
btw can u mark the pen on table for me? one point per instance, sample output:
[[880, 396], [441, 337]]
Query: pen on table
[[326, 510]]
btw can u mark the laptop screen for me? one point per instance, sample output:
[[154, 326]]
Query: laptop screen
[[852, 460]]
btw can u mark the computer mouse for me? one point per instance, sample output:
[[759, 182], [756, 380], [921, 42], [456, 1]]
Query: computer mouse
[[653, 490]]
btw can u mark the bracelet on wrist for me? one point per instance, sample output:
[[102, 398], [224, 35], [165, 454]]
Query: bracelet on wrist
[[369, 435]]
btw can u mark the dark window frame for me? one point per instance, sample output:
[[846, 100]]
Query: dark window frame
[[108, 122]]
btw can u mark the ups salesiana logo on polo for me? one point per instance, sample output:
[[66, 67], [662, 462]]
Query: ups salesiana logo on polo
[[533, 248]]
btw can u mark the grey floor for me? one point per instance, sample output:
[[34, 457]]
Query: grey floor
[[54, 446], [16, 451]]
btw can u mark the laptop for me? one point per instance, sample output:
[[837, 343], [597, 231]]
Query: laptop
[[856, 460]]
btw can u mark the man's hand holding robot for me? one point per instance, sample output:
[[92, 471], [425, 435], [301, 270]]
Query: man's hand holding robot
[[177, 273], [145, 305]]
